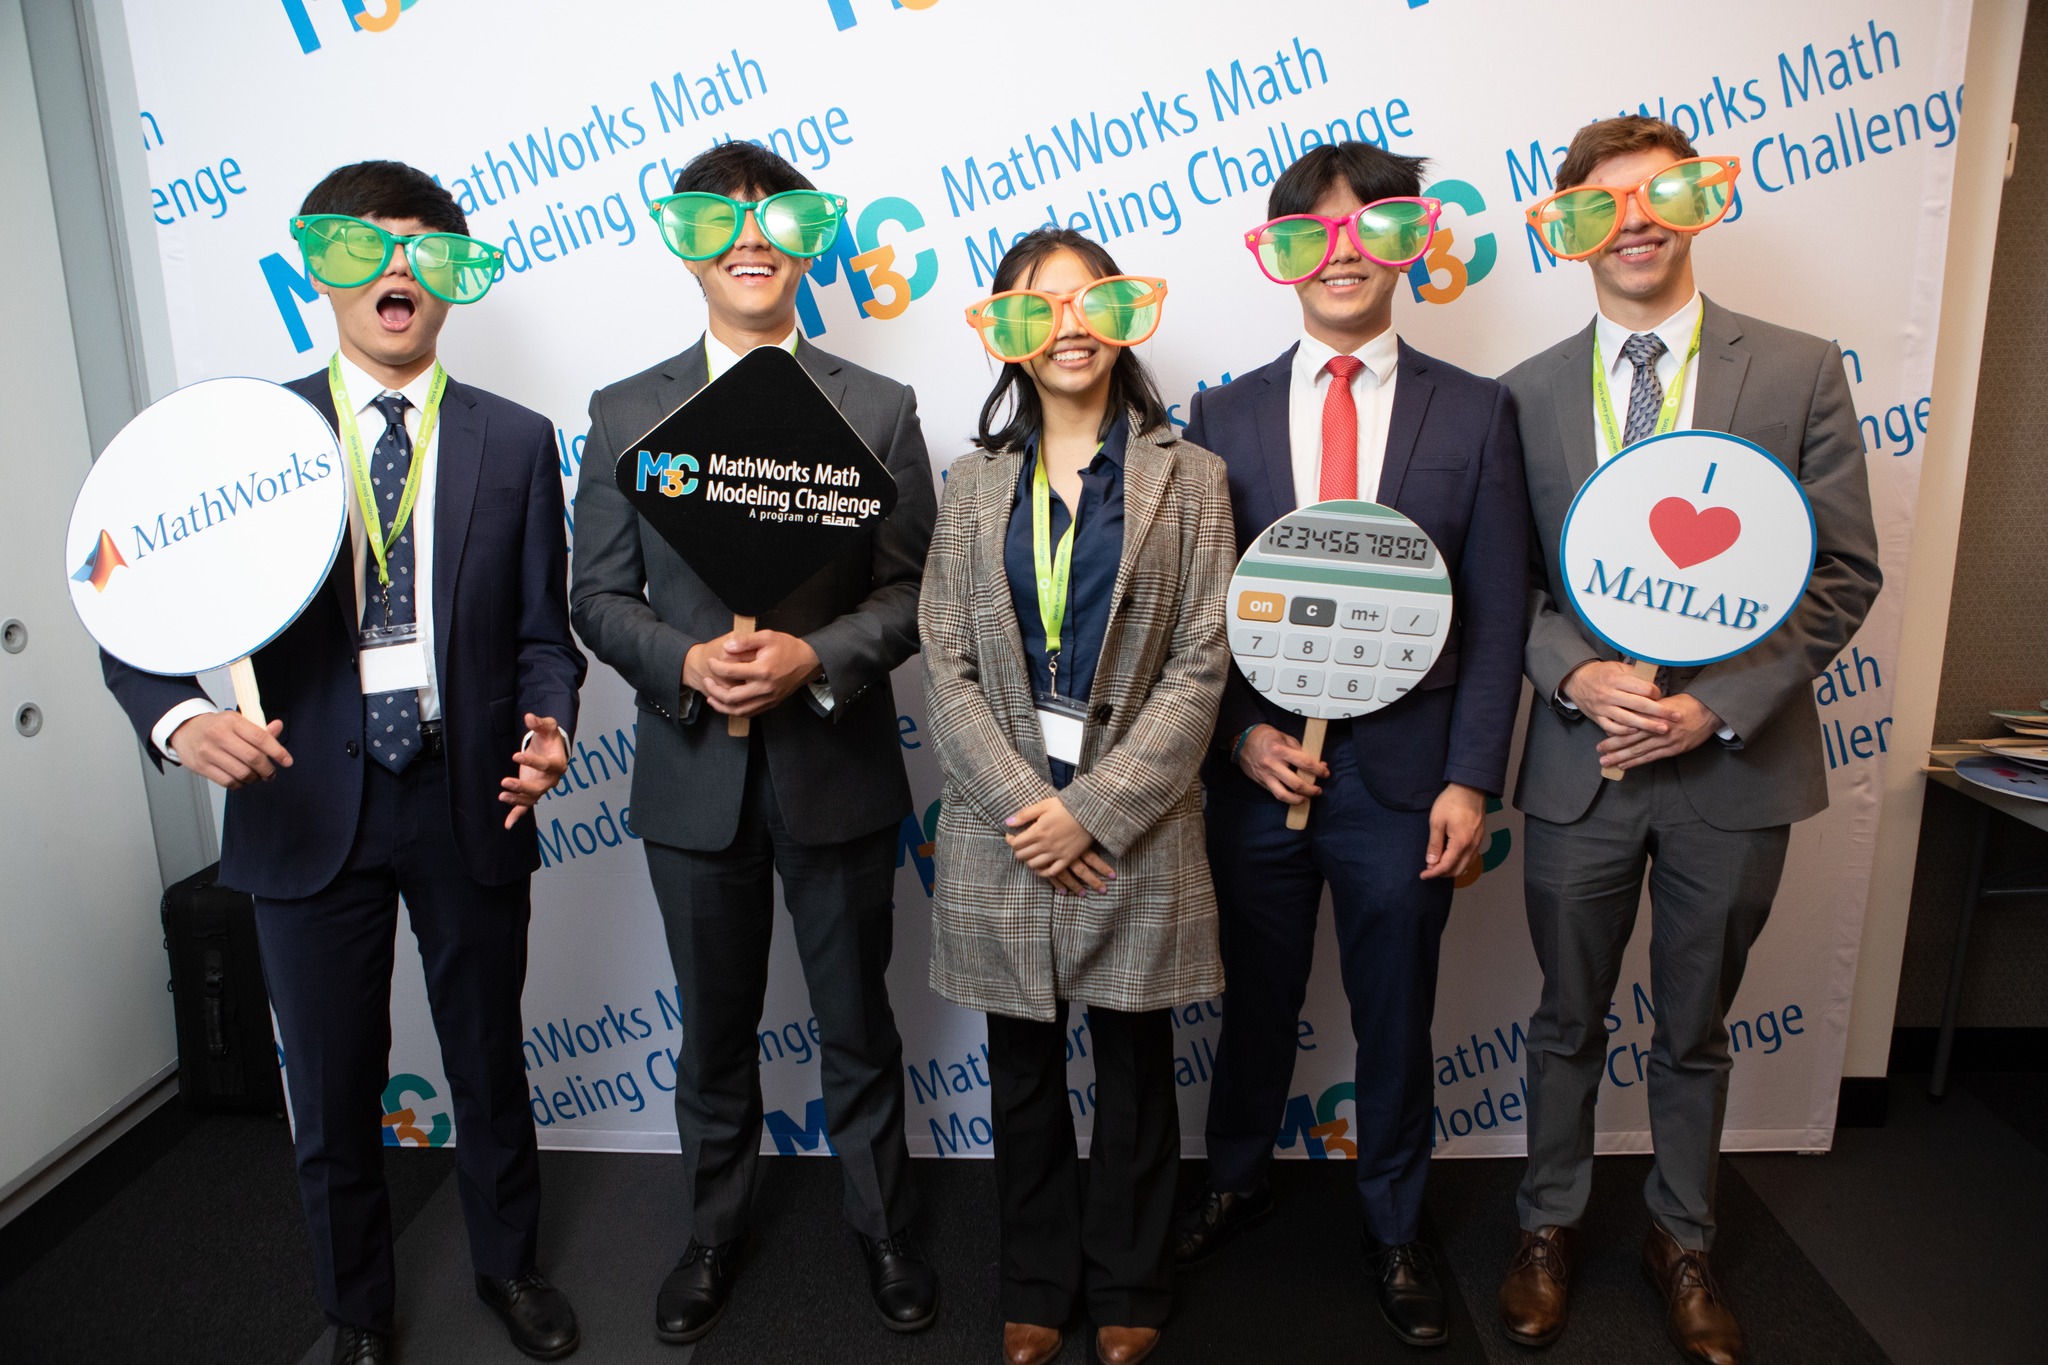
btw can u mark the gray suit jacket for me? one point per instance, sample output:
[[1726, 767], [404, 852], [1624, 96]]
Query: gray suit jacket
[[1785, 391], [838, 772]]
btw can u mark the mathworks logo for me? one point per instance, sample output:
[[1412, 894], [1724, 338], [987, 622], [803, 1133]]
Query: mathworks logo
[[100, 564], [363, 16]]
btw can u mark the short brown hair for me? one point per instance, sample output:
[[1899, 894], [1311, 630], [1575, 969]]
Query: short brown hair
[[1595, 142]]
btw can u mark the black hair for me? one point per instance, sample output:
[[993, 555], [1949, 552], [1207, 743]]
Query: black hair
[[1371, 172], [1130, 383], [736, 167], [390, 190]]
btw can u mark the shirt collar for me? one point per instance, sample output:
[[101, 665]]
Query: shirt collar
[[723, 357], [1675, 332], [1380, 355], [362, 389]]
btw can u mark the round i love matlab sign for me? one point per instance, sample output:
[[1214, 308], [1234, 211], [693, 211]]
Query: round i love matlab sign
[[206, 526], [1687, 548]]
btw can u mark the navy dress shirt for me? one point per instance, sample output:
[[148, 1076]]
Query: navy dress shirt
[[1091, 583]]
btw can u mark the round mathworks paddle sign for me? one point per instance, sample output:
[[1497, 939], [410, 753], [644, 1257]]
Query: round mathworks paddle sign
[[1687, 548], [206, 527]]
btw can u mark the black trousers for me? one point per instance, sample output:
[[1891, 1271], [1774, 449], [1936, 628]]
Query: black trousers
[[327, 960], [719, 913], [1114, 1240]]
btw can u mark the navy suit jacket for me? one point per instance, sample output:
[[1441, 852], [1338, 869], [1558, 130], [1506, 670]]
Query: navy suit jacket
[[1454, 466], [502, 648]]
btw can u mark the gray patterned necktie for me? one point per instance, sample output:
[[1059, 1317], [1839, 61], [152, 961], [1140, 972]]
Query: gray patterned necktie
[[1645, 394], [391, 720]]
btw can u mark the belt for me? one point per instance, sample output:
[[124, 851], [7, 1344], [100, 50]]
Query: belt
[[431, 742]]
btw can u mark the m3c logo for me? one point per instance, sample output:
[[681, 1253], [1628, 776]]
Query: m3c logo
[[373, 16], [677, 473], [1458, 274], [402, 1121], [843, 17]]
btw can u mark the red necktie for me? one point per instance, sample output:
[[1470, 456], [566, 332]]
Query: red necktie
[[1339, 474]]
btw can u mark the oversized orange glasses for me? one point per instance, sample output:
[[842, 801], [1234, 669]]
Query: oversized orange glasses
[[1687, 196], [1020, 324]]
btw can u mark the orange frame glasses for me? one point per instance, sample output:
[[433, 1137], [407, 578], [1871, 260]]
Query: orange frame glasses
[[997, 312], [1551, 221]]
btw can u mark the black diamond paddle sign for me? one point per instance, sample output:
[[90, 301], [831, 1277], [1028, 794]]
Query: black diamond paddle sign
[[757, 481]]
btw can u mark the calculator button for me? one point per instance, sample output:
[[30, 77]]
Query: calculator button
[[1401, 654], [1310, 647], [1365, 616], [1253, 643], [1260, 676], [1414, 620], [1312, 611], [1301, 682], [1261, 606], [1351, 686], [1393, 689], [1360, 653]]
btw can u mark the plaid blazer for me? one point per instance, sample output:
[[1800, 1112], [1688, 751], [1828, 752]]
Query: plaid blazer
[[1002, 941]]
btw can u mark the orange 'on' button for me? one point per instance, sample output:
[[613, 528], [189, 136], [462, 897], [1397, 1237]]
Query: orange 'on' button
[[1261, 606]]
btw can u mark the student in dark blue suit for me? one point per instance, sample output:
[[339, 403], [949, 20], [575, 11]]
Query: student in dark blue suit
[[1351, 411], [416, 791]]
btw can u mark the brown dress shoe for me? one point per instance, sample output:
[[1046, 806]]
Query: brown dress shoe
[[1026, 1343], [1699, 1320], [1124, 1345], [1532, 1296]]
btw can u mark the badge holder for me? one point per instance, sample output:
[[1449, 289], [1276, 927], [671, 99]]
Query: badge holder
[[391, 659], [1061, 721]]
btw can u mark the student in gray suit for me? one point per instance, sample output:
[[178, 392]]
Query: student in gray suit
[[1719, 760], [815, 793]]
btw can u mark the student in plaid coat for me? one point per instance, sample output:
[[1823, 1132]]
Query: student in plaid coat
[[1074, 655]]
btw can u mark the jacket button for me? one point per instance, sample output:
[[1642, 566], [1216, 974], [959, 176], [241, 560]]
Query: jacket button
[[353, 748], [1102, 714]]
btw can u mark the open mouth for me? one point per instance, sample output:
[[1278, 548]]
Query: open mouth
[[1073, 357], [1637, 252], [1342, 283], [395, 310], [749, 270]]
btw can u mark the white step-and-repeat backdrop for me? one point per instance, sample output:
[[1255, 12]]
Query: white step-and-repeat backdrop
[[953, 126]]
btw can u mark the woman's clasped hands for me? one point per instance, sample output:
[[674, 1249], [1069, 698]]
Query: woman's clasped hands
[[1046, 838]]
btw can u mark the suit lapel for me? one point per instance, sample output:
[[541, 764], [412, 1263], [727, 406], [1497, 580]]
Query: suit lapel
[[1412, 391], [992, 526], [1276, 450], [1572, 384], [825, 370], [458, 464], [1148, 468], [341, 584], [1723, 366]]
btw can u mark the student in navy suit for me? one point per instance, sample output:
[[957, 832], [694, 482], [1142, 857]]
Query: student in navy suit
[[1352, 411], [418, 791]]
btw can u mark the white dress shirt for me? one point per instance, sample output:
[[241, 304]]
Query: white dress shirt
[[1676, 334], [362, 391], [1372, 389]]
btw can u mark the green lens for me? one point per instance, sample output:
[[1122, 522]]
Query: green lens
[[1121, 310], [1023, 323], [458, 269], [1292, 249], [800, 222], [1578, 221], [1691, 194], [699, 226], [1395, 231], [344, 252]]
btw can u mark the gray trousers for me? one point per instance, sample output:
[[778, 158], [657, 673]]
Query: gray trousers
[[718, 910], [1710, 892]]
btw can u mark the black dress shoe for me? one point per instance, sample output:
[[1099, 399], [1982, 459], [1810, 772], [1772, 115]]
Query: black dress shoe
[[361, 1346], [1411, 1295], [695, 1292], [536, 1314], [1216, 1218], [905, 1287]]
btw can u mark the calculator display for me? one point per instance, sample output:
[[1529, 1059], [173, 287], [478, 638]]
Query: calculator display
[[1347, 541]]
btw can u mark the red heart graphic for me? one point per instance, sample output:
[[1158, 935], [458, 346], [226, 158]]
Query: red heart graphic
[[1690, 536]]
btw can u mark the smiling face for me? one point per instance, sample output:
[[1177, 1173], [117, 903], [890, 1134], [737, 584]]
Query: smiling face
[[1645, 274], [750, 291], [1350, 300], [391, 325], [1076, 366]]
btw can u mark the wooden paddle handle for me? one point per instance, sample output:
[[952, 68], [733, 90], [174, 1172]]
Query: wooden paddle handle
[[1648, 673], [247, 699], [1312, 745], [739, 726]]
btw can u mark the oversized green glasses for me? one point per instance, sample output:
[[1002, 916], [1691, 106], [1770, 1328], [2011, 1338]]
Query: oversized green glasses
[[1019, 324], [699, 227], [1388, 232], [1686, 196], [343, 252]]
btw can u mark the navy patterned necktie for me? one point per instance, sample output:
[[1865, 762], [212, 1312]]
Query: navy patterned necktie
[[391, 720], [1645, 394]]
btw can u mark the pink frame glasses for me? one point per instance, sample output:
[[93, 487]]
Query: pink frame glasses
[[1276, 237]]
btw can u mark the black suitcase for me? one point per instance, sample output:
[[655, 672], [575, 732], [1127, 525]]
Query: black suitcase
[[227, 1058]]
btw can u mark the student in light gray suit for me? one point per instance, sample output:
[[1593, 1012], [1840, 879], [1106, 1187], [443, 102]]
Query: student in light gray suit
[[1720, 760], [814, 794]]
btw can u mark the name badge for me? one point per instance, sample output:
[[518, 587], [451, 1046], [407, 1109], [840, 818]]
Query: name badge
[[391, 659], [1060, 722]]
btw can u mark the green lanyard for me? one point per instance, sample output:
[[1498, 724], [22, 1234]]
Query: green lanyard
[[1054, 566], [381, 538], [1667, 416]]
